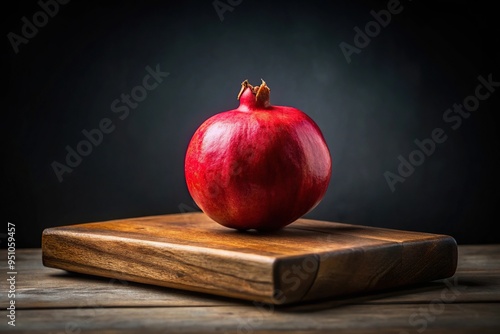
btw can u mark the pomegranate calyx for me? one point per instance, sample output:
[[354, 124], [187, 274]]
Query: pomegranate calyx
[[261, 93], [244, 86]]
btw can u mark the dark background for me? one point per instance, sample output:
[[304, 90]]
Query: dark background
[[370, 111]]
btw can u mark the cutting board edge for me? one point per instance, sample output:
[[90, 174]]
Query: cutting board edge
[[62, 262]]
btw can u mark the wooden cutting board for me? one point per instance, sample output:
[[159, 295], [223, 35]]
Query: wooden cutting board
[[307, 260]]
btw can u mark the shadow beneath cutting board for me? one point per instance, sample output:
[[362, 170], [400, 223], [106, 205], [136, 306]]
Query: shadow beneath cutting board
[[460, 288], [403, 295], [156, 296]]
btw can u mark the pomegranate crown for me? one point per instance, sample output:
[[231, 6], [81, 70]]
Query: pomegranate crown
[[261, 93]]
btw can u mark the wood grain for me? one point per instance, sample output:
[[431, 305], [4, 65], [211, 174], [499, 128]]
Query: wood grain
[[54, 301], [306, 261], [397, 319]]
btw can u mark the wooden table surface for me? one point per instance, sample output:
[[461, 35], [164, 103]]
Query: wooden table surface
[[54, 301]]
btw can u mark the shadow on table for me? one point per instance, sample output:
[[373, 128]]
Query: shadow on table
[[418, 293], [402, 295]]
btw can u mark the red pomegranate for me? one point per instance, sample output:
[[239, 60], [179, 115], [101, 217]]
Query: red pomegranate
[[258, 166]]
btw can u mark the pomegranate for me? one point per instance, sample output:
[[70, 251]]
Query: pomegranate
[[258, 166]]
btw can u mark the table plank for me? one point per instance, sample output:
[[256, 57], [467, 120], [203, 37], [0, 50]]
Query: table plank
[[51, 300], [56, 289], [41, 287], [441, 318], [478, 258]]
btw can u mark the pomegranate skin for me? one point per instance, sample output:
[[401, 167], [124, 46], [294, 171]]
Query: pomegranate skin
[[258, 166]]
